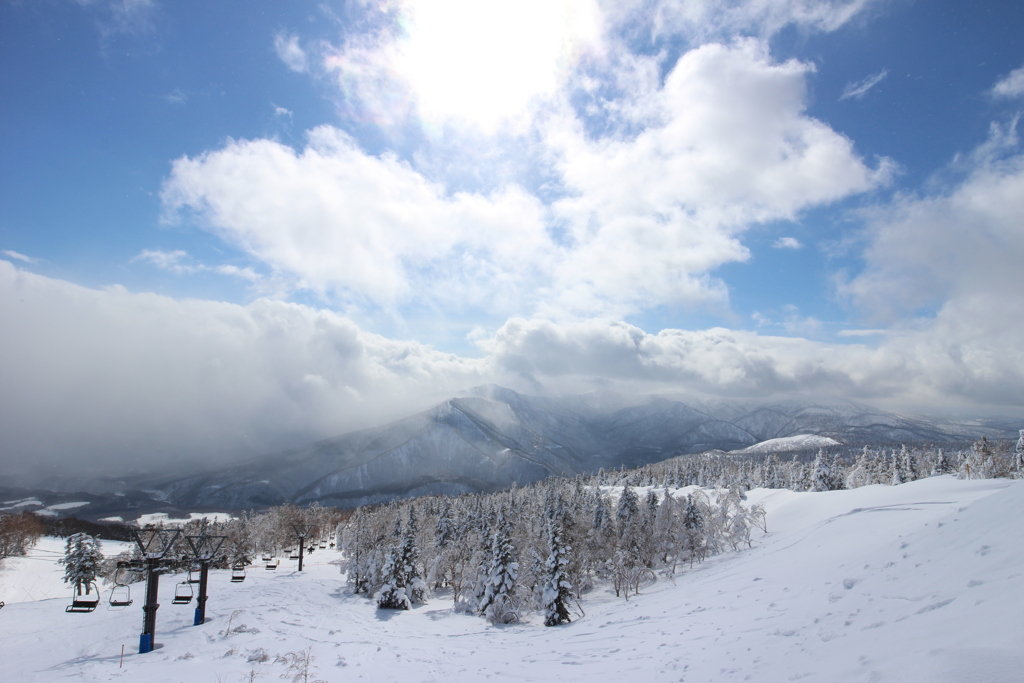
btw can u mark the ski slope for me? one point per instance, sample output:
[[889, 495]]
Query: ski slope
[[919, 582]]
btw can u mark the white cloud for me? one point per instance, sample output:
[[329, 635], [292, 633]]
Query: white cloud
[[703, 20], [174, 261], [644, 219], [727, 144], [281, 111], [20, 257], [290, 52], [366, 228], [857, 90], [788, 243], [112, 376], [952, 245], [1011, 85]]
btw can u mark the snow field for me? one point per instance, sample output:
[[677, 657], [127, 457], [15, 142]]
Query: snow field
[[919, 582]]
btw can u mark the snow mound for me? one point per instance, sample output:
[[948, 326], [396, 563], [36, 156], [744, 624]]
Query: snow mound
[[783, 444]]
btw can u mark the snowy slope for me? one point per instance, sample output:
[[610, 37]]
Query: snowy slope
[[784, 444], [920, 582]]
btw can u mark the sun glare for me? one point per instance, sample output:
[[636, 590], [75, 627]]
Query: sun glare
[[485, 61]]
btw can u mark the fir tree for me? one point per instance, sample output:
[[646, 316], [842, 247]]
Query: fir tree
[[82, 561], [557, 589], [498, 603]]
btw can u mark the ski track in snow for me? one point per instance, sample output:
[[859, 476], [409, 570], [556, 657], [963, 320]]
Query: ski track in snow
[[920, 582]]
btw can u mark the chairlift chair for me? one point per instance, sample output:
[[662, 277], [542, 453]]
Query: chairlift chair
[[120, 597], [84, 602], [293, 557], [194, 574], [237, 574], [271, 565], [182, 593], [267, 558]]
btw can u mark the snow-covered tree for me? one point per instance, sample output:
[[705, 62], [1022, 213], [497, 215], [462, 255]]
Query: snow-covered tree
[[557, 589], [82, 561], [498, 603]]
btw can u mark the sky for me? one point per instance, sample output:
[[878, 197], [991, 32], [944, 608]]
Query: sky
[[232, 227]]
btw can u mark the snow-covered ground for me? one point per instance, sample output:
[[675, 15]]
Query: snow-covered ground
[[920, 582]]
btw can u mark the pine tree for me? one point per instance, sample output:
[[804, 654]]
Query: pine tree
[[392, 593], [82, 561], [820, 473], [557, 589], [410, 557], [498, 603]]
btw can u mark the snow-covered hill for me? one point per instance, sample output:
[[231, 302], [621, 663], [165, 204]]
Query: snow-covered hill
[[919, 582], [799, 442]]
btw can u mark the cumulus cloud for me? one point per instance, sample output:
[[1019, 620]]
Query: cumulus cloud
[[1011, 85], [643, 220], [727, 145], [858, 89], [965, 241], [290, 52], [370, 229], [788, 243]]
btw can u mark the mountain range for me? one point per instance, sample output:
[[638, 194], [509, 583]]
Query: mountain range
[[492, 437]]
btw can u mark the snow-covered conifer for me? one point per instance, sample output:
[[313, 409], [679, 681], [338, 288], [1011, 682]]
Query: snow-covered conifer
[[82, 561], [557, 588], [498, 603]]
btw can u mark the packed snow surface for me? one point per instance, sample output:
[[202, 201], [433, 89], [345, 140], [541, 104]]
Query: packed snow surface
[[790, 443], [918, 582]]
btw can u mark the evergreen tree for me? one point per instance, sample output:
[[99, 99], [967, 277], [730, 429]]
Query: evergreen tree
[[82, 561], [392, 593], [557, 589], [821, 475], [498, 603]]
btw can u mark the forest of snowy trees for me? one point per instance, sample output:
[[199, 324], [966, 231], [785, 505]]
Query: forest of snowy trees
[[542, 547]]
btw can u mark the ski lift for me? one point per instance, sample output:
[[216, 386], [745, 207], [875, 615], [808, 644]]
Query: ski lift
[[237, 574], [194, 574], [84, 602], [294, 556], [182, 593], [272, 565], [267, 558]]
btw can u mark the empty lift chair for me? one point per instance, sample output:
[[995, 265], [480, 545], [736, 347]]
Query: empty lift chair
[[237, 574], [84, 601], [120, 594], [182, 593]]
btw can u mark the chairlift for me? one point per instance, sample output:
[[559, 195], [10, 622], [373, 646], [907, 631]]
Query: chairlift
[[267, 558], [84, 602], [182, 593], [237, 574], [293, 557], [194, 574], [272, 565]]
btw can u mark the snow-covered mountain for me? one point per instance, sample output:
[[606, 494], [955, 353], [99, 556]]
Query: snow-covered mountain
[[492, 437], [788, 444]]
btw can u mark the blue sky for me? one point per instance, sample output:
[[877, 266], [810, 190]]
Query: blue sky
[[764, 199]]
